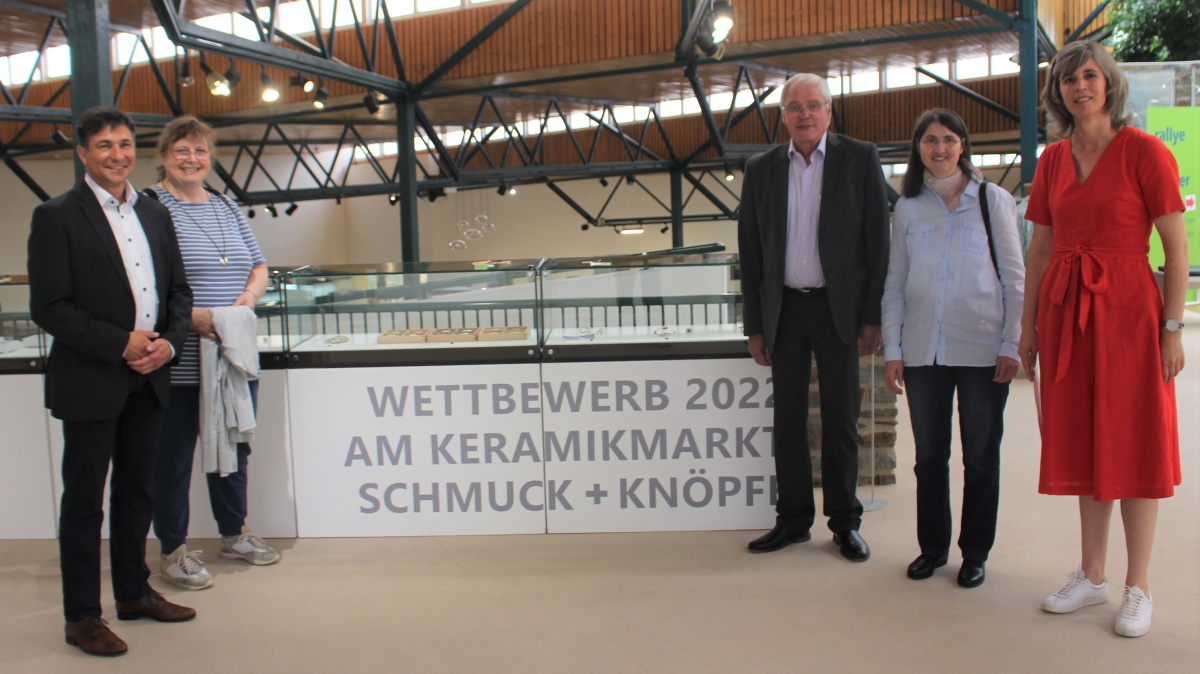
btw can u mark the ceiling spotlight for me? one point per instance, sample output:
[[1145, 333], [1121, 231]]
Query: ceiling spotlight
[[269, 93], [185, 72], [320, 98], [218, 84], [392, 199], [250, 213], [722, 17], [302, 81], [728, 174], [631, 230], [665, 229], [60, 139], [270, 208], [434, 193], [338, 199], [584, 226], [630, 179], [291, 209], [512, 191], [603, 181], [502, 189], [371, 103], [232, 76]]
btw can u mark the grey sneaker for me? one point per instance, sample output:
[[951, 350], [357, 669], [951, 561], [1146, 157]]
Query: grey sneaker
[[185, 570], [249, 547]]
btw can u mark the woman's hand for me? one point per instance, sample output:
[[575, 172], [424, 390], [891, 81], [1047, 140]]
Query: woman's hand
[[202, 323], [893, 376], [1027, 349], [1171, 347], [246, 299], [1006, 369]]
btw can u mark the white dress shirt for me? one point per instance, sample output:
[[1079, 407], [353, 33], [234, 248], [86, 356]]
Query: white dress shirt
[[802, 260], [943, 298], [135, 251]]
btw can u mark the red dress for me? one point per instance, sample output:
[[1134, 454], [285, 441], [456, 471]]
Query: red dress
[[1109, 423]]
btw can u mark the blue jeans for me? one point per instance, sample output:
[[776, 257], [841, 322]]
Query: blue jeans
[[173, 473], [981, 404]]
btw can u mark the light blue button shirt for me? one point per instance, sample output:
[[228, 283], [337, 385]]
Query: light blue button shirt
[[802, 259], [942, 299]]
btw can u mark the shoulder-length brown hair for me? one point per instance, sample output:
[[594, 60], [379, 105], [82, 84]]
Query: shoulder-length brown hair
[[179, 128], [914, 178], [1067, 61]]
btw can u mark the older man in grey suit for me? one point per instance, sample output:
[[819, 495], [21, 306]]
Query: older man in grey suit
[[813, 235]]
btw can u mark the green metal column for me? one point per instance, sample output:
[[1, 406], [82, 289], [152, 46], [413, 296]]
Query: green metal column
[[1027, 38], [406, 159], [91, 73], [676, 208]]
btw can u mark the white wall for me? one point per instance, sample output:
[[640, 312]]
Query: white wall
[[534, 223]]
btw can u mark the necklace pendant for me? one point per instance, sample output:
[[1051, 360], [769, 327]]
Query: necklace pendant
[[224, 261]]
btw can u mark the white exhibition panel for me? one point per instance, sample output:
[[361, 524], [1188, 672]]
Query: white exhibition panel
[[408, 451], [658, 445], [26, 490], [272, 498]]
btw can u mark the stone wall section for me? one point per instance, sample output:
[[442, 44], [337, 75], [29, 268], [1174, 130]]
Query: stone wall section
[[885, 426]]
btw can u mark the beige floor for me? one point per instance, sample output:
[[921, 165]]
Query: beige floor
[[669, 602]]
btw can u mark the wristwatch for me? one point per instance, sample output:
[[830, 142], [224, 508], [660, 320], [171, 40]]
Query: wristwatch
[[1172, 325]]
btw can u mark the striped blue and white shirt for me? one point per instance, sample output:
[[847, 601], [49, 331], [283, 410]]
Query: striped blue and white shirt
[[206, 232]]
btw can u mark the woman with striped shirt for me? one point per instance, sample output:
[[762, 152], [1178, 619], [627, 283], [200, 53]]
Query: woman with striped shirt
[[225, 267]]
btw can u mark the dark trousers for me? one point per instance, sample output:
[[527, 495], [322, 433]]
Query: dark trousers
[[981, 426], [173, 474], [130, 443], [805, 330]]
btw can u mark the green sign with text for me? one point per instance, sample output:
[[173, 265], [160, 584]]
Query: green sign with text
[[1179, 129]]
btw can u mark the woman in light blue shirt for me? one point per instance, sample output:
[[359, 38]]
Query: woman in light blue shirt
[[952, 320]]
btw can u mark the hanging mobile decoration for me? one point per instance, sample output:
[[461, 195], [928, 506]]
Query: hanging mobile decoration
[[472, 234], [458, 244]]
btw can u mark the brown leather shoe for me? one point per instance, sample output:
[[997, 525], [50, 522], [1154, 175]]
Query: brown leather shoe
[[154, 606], [93, 637]]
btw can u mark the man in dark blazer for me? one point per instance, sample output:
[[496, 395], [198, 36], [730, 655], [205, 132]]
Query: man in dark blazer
[[813, 239], [107, 282]]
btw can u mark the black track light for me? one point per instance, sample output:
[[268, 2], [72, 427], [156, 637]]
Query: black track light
[[503, 189], [665, 229], [728, 174], [321, 97], [232, 76], [584, 227], [218, 84], [338, 199], [392, 199], [250, 213], [603, 181], [270, 208], [722, 21], [302, 81], [270, 93], [185, 72], [291, 209], [630, 179], [371, 103], [60, 139]]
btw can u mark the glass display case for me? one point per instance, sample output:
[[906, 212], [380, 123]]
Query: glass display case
[[406, 314], [642, 307], [22, 344]]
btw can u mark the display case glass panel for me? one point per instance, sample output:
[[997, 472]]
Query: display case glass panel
[[642, 306], [413, 313], [23, 345]]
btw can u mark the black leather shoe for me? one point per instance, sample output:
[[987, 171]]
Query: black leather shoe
[[971, 574], [924, 566], [853, 547], [778, 538]]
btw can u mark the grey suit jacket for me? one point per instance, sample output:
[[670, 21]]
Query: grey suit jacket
[[852, 237]]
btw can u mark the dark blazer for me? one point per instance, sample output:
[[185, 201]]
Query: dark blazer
[[80, 294], [852, 236]]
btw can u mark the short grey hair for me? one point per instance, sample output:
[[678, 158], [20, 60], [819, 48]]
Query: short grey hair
[[802, 79]]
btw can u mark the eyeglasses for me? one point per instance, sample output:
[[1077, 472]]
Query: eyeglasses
[[184, 153], [934, 141], [797, 108]]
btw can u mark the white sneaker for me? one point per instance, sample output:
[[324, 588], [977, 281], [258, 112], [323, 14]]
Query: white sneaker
[[249, 547], [1133, 620], [184, 569], [1077, 593]]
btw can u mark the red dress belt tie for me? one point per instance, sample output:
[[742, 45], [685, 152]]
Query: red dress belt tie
[[1080, 275]]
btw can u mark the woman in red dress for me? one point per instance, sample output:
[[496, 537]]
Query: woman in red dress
[[1109, 345]]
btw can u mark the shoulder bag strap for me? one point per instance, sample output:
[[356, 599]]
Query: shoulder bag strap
[[986, 211]]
